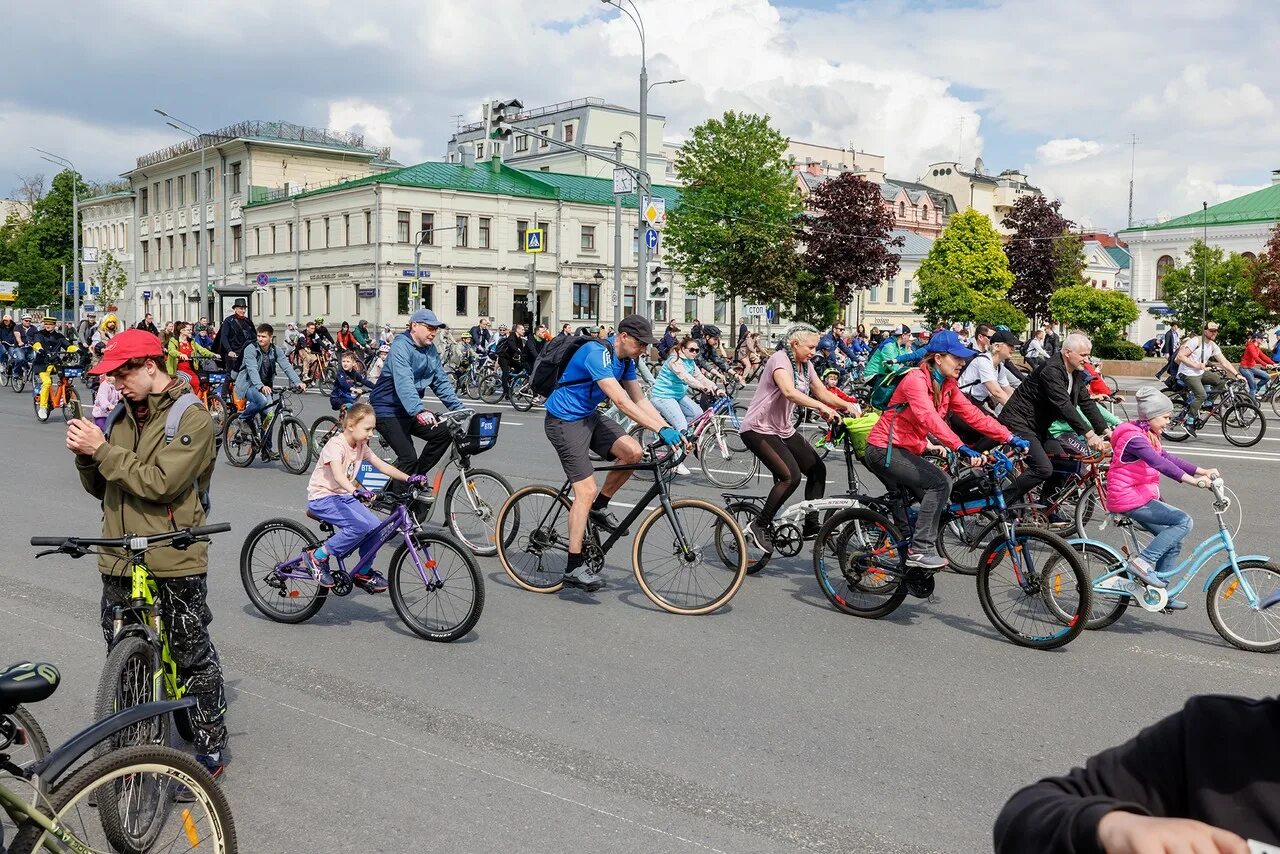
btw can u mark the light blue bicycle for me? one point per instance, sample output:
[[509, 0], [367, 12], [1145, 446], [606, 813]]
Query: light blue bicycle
[[1236, 591]]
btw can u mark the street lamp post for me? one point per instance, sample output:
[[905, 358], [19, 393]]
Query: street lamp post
[[203, 244], [75, 230]]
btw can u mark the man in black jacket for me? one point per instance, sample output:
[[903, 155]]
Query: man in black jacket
[[148, 324], [1197, 781], [515, 353], [1058, 389], [236, 334], [482, 337], [1050, 338]]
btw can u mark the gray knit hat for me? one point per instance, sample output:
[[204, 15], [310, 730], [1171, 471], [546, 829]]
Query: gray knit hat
[[1152, 402]]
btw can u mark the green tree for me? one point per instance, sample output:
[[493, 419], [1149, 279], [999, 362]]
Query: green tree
[[1218, 286], [734, 232], [816, 304], [1101, 313], [966, 272], [111, 277], [33, 251], [1043, 255]]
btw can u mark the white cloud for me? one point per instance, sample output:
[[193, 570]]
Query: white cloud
[[374, 123], [1192, 99], [1058, 151]]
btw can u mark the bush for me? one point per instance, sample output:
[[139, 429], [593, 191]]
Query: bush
[[1233, 352], [1125, 351]]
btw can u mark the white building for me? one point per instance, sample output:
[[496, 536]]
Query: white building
[[1241, 225], [241, 162], [892, 303], [107, 225], [992, 195], [1106, 267]]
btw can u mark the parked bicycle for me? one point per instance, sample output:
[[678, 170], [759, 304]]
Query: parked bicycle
[[142, 798], [435, 584], [1234, 591], [243, 440], [1031, 584], [1243, 423], [674, 556]]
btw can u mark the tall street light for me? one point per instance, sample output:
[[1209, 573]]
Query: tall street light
[[75, 229], [203, 245]]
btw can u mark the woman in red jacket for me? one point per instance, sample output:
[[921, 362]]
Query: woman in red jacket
[[347, 339], [917, 411], [1254, 362]]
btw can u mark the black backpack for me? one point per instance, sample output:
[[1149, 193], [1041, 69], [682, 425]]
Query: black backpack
[[554, 358]]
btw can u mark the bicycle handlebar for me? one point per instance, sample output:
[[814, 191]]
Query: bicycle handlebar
[[133, 543]]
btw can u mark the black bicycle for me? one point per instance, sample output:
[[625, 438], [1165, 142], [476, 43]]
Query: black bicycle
[[292, 441], [675, 555], [1243, 423]]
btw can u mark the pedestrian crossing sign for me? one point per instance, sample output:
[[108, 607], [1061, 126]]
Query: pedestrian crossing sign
[[533, 240]]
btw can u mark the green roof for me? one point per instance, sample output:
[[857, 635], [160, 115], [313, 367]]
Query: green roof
[[1259, 206], [1120, 255], [482, 178]]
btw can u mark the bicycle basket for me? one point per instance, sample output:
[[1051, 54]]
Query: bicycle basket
[[482, 432]]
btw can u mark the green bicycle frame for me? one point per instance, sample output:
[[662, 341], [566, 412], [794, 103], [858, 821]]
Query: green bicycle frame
[[142, 598]]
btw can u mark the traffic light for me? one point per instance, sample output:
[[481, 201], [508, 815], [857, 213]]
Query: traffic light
[[657, 290], [498, 117]]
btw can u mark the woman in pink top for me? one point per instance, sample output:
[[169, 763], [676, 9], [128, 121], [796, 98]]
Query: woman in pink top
[[788, 380]]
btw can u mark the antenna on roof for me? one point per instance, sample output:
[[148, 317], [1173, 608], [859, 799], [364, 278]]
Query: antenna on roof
[[1133, 158], [960, 141], [457, 122]]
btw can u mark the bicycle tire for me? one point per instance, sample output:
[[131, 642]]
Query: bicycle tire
[[99, 776], [514, 520], [815, 436], [1113, 387], [521, 395], [323, 429], [18, 381], [491, 390], [865, 584], [484, 540], [251, 571], [1104, 609], [293, 443], [648, 579], [1071, 572], [1214, 603], [742, 513], [468, 574], [1274, 398], [1233, 417], [717, 458], [34, 748], [962, 540], [239, 445], [36, 738], [1089, 506]]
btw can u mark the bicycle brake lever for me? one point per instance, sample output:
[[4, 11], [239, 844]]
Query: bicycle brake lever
[[47, 552]]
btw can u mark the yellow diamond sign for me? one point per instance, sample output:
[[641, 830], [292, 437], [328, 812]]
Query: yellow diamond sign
[[655, 210]]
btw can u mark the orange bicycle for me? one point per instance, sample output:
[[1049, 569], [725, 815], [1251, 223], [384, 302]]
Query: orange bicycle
[[62, 369]]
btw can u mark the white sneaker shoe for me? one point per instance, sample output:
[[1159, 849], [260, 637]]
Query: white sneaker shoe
[[683, 469], [42, 413]]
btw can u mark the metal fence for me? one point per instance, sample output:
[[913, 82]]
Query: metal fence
[[282, 131]]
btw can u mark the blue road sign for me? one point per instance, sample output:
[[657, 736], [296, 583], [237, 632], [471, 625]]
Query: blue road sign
[[263, 279], [69, 288], [651, 238], [407, 273], [533, 240]]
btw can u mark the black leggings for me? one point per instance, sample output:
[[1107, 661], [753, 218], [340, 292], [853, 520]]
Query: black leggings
[[787, 459]]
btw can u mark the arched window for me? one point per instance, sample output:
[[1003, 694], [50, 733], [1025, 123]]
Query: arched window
[[1163, 266], [902, 210], [924, 213], [1249, 255]]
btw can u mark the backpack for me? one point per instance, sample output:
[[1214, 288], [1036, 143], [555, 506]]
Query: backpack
[[883, 387], [171, 422], [554, 358]]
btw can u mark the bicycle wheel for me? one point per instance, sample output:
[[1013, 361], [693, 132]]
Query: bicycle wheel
[[71, 394], [471, 505], [442, 599], [323, 429], [491, 390], [1113, 387], [240, 444], [725, 459], [18, 381], [521, 395], [294, 445], [1274, 398], [1241, 623], [676, 560], [815, 436], [1034, 591], [146, 779], [218, 414], [31, 746], [1243, 424], [1176, 429], [1107, 601], [277, 543], [1088, 510], [858, 561], [533, 538], [963, 539], [741, 512]]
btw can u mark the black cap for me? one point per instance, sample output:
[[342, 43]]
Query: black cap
[[240, 303], [638, 327], [1004, 336]]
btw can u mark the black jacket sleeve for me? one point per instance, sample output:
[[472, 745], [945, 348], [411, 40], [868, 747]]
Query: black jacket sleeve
[[1063, 402]]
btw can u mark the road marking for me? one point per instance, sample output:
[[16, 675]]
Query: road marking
[[1185, 658]]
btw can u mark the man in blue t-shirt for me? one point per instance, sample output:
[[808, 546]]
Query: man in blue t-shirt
[[575, 427]]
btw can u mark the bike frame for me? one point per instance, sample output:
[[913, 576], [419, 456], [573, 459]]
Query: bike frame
[[398, 522], [148, 624]]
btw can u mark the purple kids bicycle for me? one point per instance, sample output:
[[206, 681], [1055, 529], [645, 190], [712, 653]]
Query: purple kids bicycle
[[435, 583]]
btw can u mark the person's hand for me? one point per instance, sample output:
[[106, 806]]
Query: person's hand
[[84, 437], [1212, 474], [827, 412], [231, 354], [670, 436], [1098, 443], [1020, 443], [426, 418], [267, 390], [1129, 833], [363, 495], [969, 455], [1203, 482], [418, 480], [300, 387]]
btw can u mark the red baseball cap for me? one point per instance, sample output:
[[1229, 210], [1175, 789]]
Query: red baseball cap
[[130, 344]]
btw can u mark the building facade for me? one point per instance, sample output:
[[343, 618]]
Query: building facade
[[183, 205], [991, 195], [1242, 225], [107, 224], [891, 303]]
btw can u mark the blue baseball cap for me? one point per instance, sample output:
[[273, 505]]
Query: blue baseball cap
[[947, 341], [427, 317]]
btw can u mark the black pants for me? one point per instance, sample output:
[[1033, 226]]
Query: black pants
[[509, 369], [1039, 470], [787, 459], [900, 469], [186, 613], [399, 433]]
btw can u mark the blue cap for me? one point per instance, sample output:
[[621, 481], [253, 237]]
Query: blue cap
[[426, 316], [947, 341]]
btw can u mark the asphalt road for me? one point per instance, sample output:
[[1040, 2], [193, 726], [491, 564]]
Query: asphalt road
[[598, 723]]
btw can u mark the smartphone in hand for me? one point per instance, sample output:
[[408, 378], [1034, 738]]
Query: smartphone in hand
[[74, 409]]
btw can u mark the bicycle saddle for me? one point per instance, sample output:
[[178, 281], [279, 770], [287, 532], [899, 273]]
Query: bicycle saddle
[[25, 682]]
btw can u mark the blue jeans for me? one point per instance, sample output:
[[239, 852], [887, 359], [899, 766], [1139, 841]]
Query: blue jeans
[[18, 355], [1255, 377], [352, 519], [1170, 525], [677, 413], [254, 402]]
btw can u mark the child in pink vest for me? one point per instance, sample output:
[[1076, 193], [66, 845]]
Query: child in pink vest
[[1133, 486]]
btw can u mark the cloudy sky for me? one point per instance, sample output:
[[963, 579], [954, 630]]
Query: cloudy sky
[[1053, 88]]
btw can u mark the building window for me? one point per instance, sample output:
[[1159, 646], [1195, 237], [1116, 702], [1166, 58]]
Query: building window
[[902, 210], [522, 227], [479, 151], [235, 178], [568, 132], [155, 195], [588, 238], [184, 251], [368, 226], [875, 293], [402, 227], [1163, 266], [306, 234], [482, 232], [460, 301], [660, 310], [906, 292], [169, 246], [924, 214], [545, 133], [182, 190], [346, 229], [210, 255], [461, 231], [719, 310], [586, 300], [146, 256], [326, 232], [288, 233], [168, 194], [257, 242], [635, 241], [142, 201], [482, 302], [208, 184], [235, 242], [628, 299], [428, 229], [195, 187], [546, 236], [690, 309], [888, 292], [522, 142]]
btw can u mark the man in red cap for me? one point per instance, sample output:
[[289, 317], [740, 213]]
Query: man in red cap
[[151, 480]]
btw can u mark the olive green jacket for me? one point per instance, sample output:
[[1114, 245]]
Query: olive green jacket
[[146, 486]]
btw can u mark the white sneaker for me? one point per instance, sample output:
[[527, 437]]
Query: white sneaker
[[42, 413], [683, 469]]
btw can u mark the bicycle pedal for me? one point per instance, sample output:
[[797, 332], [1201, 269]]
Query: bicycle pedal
[[342, 583]]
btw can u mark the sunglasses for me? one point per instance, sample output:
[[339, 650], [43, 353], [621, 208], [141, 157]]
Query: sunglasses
[[691, 349]]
